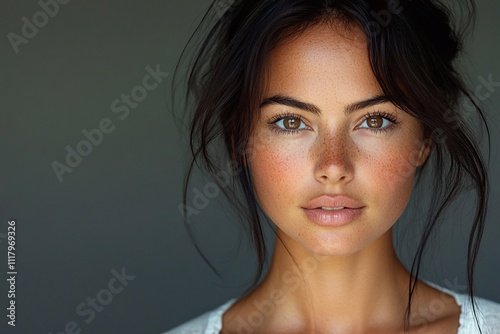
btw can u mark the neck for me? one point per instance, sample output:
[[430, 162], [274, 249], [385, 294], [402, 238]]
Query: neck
[[345, 293]]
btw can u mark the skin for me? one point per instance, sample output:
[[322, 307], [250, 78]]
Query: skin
[[325, 279]]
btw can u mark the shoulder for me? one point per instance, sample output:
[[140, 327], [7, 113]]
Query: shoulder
[[487, 311], [207, 323], [198, 325]]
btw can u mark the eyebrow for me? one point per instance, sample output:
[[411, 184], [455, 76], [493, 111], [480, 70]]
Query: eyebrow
[[291, 102]]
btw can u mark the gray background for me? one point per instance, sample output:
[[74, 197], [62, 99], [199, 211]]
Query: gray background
[[119, 207]]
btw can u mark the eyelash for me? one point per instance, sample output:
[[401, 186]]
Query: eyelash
[[281, 116], [390, 117]]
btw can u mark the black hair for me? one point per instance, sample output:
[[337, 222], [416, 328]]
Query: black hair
[[413, 46]]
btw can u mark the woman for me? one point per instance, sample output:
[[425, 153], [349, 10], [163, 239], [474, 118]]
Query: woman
[[331, 112]]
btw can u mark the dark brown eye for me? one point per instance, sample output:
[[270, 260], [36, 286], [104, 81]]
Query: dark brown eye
[[291, 123], [375, 121]]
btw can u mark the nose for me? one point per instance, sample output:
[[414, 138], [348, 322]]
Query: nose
[[333, 158]]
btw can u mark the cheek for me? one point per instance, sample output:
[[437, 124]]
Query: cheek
[[390, 173], [277, 171]]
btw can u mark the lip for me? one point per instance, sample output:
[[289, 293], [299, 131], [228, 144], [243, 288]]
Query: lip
[[352, 210], [333, 218], [333, 201]]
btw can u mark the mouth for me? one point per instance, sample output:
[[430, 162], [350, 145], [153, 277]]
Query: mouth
[[333, 216], [332, 209]]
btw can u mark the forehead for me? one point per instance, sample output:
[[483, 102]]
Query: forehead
[[324, 56]]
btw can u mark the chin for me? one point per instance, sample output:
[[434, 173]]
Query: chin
[[335, 250], [333, 245]]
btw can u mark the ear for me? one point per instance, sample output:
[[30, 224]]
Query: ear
[[424, 152]]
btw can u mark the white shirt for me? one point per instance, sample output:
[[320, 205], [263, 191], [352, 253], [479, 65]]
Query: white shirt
[[488, 313]]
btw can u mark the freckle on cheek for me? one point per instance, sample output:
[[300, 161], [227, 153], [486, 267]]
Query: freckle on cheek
[[269, 165]]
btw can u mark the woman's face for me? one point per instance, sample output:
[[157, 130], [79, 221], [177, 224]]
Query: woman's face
[[325, 129]]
